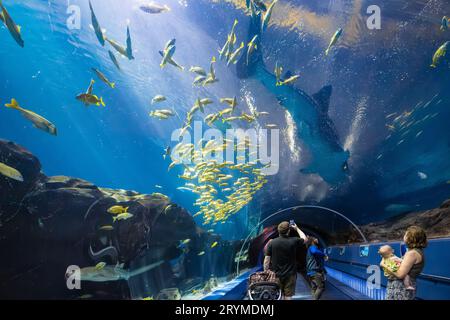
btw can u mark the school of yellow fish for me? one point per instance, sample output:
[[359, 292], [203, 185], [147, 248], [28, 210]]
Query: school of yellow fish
[[224, 188]]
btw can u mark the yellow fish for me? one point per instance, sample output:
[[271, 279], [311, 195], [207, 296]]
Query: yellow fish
[[167, 209], [334, 40], [214, 244], [38, 121], [102, 77], [288, 81], [440, 54], [14, 29], [91, 99], [100, 266], [106, 228], [10, 172], [122, 216], [118, 209]]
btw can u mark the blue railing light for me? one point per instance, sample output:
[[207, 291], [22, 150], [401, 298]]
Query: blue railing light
[[357, 284]]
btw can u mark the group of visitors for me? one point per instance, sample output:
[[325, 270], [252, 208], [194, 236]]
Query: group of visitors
[[281, 258]]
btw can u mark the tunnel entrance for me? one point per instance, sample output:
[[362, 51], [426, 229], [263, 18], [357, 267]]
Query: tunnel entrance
[[329, 226]]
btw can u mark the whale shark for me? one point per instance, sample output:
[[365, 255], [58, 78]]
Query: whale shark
[[314, 126]]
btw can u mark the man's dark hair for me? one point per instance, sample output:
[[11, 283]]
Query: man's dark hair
[[283, 228], [312, 241]]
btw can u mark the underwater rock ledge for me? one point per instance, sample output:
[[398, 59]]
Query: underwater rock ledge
[[436, 222], [50, 223]]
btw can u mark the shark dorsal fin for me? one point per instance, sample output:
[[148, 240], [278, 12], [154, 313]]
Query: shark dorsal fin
[[322, 98]]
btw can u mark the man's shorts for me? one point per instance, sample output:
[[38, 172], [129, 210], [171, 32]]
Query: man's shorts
[[287, 285]]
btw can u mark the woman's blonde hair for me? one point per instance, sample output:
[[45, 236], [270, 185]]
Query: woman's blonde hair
[[416, 238]]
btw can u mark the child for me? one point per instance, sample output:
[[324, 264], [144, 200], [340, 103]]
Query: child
[[392, 263]]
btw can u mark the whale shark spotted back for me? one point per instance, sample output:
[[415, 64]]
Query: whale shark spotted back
[[315, 128]]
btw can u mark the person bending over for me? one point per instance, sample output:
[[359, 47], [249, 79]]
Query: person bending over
[[281, 257]]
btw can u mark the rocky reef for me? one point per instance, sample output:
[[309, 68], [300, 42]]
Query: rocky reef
[[435, 221], [50, 223]]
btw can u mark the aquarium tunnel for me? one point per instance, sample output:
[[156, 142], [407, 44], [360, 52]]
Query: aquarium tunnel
[[149, 149]]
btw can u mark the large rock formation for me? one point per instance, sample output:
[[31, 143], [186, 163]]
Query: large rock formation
[[50, 223], [435, 221]]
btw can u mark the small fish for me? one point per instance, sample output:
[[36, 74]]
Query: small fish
[[10, 172], [198, 70], [102, 77], [251, 47], [114, 59], [184, 189], [206, 101], [334, 40], [129, 49], [106, 228], [41, 224], [154, 8], [96, 25], [90, 99], [158, 98], [122, 216], [38, 121], [234, 56], [118, 209], [215, 243], [167, 55], [288, 80], [148, 298], [184, 242], [211, 78], [268, 15], [232, 102], [167, 209], [440, 54], [14, 29], [198, 80], [201, 253], [422, 175], [91, 87], [278, 72], [271, 126], [170, 43], [167, 152], [119, 48], [100, 266], [158, 186], [444, 23], [162, 114]]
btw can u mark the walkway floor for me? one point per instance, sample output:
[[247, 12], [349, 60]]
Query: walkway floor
[[334, 290]]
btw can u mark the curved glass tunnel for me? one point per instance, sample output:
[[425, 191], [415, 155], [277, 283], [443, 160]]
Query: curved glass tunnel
[[197, 276]]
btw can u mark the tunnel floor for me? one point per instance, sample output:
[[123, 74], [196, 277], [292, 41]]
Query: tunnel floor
[[334, 290]]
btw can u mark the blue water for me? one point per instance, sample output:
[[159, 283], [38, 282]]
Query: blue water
[[373, 74]]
